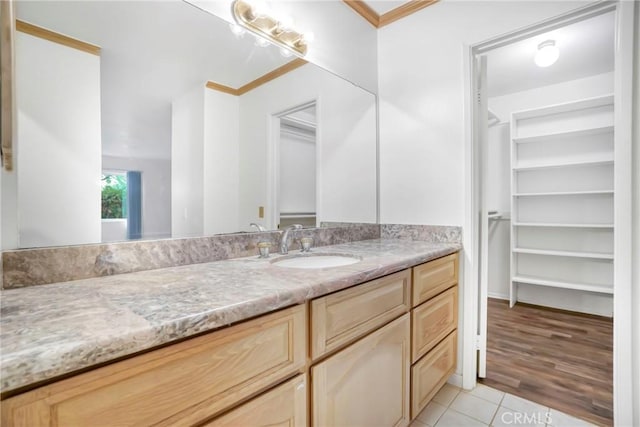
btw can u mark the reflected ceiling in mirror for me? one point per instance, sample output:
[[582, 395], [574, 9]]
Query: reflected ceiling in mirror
[[170, 127], [150, 53]]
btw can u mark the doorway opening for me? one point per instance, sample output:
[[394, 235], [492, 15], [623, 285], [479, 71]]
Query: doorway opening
[[296, 158], [542, 217]]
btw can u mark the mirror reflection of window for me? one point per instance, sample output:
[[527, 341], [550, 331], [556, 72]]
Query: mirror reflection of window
[[121, 205], [114, 206], [114, 195]]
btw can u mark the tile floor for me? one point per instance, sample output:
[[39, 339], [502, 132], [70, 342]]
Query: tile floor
[[486, 406]]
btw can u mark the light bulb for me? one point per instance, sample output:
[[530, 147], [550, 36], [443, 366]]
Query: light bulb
[[237, 30], [261, 42], [547, 54], [309, 37], [285, 52]]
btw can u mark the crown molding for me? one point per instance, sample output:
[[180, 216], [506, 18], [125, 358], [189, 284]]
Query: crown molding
[[280, 71], [52, 36], [379, 21]]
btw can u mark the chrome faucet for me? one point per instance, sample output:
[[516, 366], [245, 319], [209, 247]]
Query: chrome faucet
[[258, 226], [284, 245]]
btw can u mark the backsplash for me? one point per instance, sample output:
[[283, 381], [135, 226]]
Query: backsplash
[[30, 267], [427, 233]]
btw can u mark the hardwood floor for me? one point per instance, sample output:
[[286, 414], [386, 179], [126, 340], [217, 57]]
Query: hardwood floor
[[559, 359]]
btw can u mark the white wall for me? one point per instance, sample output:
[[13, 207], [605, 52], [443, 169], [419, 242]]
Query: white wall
[[9, 207], [346, 142], [114, 230], [59, 144], [499, 199], [341, 35], [297, 174], [221, 181], [156, 194], [421, 88], [204, 166], [187, 168]]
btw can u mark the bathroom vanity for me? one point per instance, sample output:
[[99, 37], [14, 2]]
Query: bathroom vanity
[[364, 344]]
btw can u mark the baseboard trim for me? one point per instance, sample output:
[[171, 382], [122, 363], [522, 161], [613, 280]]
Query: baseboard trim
[[455, 380], [496, 295]]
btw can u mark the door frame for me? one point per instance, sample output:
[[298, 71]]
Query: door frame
[[273, 167], [623, 104]]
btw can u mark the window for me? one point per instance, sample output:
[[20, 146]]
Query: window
[[114, 195]]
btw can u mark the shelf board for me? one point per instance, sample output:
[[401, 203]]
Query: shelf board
[[559, 225], [583, 104], [562, 135], [573, 254], [594, 162], [566, 193], [531, 280]]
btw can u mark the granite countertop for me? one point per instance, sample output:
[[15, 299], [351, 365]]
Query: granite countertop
[[50, 330]]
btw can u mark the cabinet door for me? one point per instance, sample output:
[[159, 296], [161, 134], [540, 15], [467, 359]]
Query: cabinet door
[[367, 383], [432, 321], [179, 385], [433, 277], [345, 316], [285, 405], [432, 371]]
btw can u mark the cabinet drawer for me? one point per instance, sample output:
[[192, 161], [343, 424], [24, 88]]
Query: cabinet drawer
[[285, 405], [341, 318], [367, 383], [431, 278], [177, 385], [431, 372], [432, 321]]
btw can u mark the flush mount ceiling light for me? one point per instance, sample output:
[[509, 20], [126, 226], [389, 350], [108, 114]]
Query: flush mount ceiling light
[[277, 31], [547, 54]]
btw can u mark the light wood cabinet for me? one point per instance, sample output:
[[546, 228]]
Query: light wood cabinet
[[285, 405], [432, 372], [367, 383], [431, 278], [344, 316], [178, 385], [432, 321]]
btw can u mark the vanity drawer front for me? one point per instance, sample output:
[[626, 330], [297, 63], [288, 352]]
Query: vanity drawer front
[[432, 372], [181, 384], [341, 318], [431, 278], [285, 405], [432, 321]]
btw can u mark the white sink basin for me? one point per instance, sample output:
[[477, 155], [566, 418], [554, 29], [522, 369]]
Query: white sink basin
[[316, 261]]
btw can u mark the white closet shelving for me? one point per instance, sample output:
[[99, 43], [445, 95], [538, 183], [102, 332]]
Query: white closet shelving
[[562, 197]]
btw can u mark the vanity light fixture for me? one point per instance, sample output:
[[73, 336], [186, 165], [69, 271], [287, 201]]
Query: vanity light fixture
[[266, 27], [547, 54]]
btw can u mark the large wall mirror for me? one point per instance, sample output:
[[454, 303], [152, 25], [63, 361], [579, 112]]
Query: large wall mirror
[[145, 120]]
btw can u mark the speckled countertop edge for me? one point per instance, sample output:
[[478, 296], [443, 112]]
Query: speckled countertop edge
[[51, 330]]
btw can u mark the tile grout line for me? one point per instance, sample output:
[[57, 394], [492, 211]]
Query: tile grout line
[[499, 406]]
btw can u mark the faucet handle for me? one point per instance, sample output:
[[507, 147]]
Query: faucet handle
[[305, 244]]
